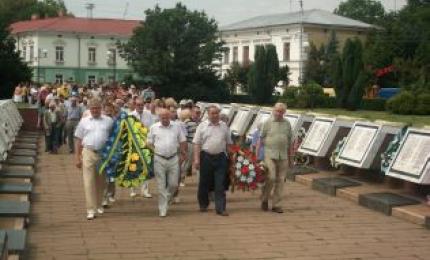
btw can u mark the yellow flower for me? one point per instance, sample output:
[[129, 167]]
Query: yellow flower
[[132, 167], [144, 130], [134, 157]]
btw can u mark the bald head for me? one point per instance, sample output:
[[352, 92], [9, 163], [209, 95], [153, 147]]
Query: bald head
[[279, 110], [164, 115]]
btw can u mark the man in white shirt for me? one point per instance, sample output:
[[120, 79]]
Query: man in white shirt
[[91, 135], [166, 139], [146, 119]]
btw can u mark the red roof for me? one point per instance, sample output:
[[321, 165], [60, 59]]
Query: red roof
[[94, 26]]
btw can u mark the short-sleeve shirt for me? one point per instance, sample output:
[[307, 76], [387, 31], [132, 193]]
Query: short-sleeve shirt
[[213, 138], [145, 118], [166, 139], [276, 136], [94, 132]]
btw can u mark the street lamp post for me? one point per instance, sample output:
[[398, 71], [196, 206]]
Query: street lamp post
[[41, 53]]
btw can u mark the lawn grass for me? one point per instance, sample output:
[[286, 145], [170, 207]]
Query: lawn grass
[[414, 120]]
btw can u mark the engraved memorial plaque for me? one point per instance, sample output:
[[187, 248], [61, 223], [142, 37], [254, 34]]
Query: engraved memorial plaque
[[262, 116], [316, 136], [412, 160], [361, 145], [241, 121]]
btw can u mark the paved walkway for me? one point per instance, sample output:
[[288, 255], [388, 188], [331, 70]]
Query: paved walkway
[[314, 226]]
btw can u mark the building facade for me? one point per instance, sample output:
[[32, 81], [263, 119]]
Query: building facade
[[81, 50], [291, 33]]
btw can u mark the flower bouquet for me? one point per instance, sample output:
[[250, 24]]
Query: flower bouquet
[[125, 156], [245, 172]]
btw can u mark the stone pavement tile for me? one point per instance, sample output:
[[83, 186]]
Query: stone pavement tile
[[314, 225]]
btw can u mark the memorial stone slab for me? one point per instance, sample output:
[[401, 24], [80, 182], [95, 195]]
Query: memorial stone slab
[[10, 209], [23, 152], [25, 146], [20, 160], [262, 116], [241, 121], [320, 136], [295, 122], [412, 160], [385, 201], [9, 122], [3, 245], [329, 185], [17, 240], [228, 110], [361, 145]]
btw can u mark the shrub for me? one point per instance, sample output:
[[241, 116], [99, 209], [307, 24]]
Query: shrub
[[328, 102], [423, 104], [309, 96], [402, 103], [377, 104]]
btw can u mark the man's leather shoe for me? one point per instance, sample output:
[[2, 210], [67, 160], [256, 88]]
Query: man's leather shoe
[[264, 206], [203, 210], [224, 213], [278, 210]]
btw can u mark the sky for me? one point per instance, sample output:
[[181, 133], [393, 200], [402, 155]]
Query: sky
[[224, 11]]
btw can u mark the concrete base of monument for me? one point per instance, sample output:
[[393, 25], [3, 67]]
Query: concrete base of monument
[[25, 146], [17, 172], [300, 170], [418, 214], [27, 140], [384, 202], [308, 179], [330, 185], [322, 164], [23, 152]]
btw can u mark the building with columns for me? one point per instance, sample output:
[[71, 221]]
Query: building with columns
[[82, 50], [291, 33]]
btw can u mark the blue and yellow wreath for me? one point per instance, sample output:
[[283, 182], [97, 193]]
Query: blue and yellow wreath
[[125, 156]]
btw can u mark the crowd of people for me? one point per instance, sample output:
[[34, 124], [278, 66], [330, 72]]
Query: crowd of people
[[181, 141]]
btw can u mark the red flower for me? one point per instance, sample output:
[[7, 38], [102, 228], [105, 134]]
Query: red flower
[[253, 185], [245, 170], [234, 149]]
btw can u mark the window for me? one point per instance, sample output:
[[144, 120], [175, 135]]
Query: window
[[227, 56], [91, 80], [235, 54], [59, 54], [24, 53], [59, 78], [112, 56], [31, 53], [92, 55], [286, 51], [245, 55]]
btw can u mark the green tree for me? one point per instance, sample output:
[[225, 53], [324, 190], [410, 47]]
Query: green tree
[[264, 74], [284, 75], [13, 70], [18, 10], [368, 11], [237, 75], [314, 70], [177, 47], [349, 75]]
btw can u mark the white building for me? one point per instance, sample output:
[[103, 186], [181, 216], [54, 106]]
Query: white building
[[70, 48], [290, 33]]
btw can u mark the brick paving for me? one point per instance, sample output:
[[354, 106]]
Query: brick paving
[[314, 225]]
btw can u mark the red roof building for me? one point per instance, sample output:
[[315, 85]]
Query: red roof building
[[84, 50], [65, 24]]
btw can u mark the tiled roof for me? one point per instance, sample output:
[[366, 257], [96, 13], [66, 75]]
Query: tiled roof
[[314, 16], [94, 26]]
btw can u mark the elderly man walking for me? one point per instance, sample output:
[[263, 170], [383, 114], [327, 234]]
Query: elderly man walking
[[166, 139], [276, 137], [210, 156], [73, 114], [91, 135]]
